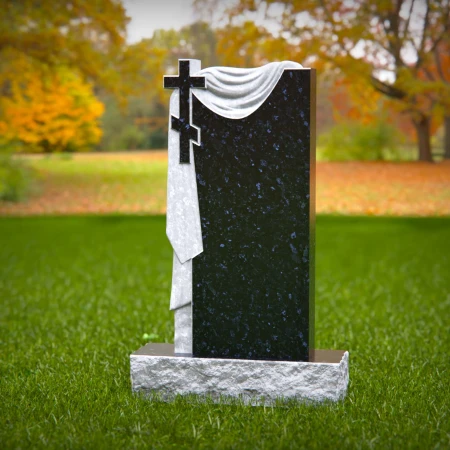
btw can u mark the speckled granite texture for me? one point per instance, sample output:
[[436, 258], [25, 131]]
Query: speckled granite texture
[[254, 382], [253, 285]]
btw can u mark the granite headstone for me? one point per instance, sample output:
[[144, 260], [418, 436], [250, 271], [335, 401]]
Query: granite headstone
[[253, 283], [241, 221]]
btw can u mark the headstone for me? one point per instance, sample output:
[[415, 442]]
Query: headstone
[[241, 221]]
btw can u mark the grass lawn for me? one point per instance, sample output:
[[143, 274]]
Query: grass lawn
[[95, 183], [78, 293]]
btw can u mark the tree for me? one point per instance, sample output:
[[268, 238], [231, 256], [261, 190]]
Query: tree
[[440, 70], [55, 111], [195, 41], [247, 45], [367, 39], [50, 53], [142, 121], [84, 35]]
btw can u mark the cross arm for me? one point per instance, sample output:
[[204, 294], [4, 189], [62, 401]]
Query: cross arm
[[171, 82]]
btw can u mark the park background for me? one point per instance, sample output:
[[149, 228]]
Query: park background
[[85, 267]]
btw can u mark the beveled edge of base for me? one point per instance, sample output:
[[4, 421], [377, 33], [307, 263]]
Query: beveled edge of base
[[168, 350]]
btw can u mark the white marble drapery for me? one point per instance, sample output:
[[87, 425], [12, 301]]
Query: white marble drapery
[[236, 93]]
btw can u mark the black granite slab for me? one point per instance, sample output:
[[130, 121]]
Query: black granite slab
[[253, 286], [156, 349]]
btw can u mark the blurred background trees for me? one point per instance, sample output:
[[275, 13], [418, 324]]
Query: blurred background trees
[[397, 48], [55, 111], [142, 123], [70, 81], [52, 54]]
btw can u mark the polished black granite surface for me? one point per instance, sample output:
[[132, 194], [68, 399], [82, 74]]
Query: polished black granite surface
[[156, 349], [253, 286]]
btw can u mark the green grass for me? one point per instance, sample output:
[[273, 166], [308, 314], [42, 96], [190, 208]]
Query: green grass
[[77, 294], [104, 181], [111, 169]]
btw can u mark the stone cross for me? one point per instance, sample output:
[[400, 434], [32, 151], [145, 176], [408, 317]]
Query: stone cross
[[184, 82]]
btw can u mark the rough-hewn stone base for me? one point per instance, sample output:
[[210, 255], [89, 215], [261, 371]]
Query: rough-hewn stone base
[[156, 369]]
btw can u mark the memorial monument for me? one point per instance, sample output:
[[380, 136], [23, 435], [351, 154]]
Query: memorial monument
[[241, 221]]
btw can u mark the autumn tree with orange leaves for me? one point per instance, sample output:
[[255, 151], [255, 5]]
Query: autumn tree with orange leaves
[[55, 111], [384, 43], [52, 56], [83, 35]]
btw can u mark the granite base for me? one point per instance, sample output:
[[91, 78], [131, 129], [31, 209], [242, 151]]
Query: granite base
[[156, 369]]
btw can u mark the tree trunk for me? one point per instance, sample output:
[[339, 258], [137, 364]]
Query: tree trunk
[[423, 138], [447, 137]]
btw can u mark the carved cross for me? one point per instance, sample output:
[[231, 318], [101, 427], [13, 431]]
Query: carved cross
[[184, 82]]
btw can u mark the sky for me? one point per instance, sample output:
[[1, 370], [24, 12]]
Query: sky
[[150, 15]]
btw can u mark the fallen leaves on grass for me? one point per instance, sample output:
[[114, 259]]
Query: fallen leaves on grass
[[135, 183], [381, 188]]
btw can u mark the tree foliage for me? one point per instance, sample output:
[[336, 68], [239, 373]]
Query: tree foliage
[[145, 116], [85, 35], [386, 44], [438, 73], [53, 57], [350, 140], [195, 41], [50, 111]]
